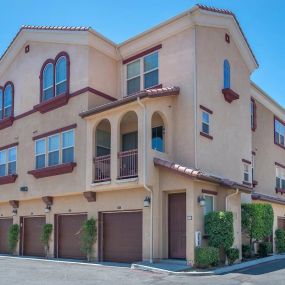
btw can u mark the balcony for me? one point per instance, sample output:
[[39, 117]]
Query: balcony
[[102, 168], [128, 164]]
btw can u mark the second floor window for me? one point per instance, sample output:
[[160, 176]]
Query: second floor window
[[246, 173], [142, 73], [8, 161], [6, 101], [279, 132], [55, 149], [280, 178], [205, 122]]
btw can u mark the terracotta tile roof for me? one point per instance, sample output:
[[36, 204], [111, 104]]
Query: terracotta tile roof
[[227, 12], [150, 93], [199, 174], [267, 198]]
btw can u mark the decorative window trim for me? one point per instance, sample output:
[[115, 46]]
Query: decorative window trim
[[59, 100], [210, 192], [253, 114], [275, 118], [246, 161], [206, 136], [8, 121], [230, 95], [8, 179]]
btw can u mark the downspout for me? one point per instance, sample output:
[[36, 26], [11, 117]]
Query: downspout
[[195, 99], [145, 186], [229, 196]]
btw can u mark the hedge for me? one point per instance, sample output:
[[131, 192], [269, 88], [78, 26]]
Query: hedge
[[280, 240], [265, 248], [219, 227], [232, 255], [206, 257]]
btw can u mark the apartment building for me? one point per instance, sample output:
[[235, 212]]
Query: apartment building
[[146, 136]]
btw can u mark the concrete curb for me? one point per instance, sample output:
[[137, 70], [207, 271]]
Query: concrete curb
[[219, 271]]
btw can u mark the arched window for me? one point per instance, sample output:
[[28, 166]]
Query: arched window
[[158, 132], [61, 76], [1, 104], [8, 101], [227, 74], [48, 82]]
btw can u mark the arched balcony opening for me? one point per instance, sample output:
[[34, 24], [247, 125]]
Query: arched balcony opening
[[102, 158], [128, 155], [157, 133]]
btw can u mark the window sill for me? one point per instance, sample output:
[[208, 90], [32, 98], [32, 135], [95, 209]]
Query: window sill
[[52, 104], [8, 179], [206, 136], [7, 122], [53, 170], [246, 183], [280, 145], [230, 95], [280, 190]]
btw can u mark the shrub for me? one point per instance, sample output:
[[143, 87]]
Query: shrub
[[45, 236], [280, 240], [257, 220], [89, 237], [219, 227], [232, 255], [264, 249], [13, 237], [206, 257], [246, 251]]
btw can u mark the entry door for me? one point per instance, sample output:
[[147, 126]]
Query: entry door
[[177, 225], [4, 229]]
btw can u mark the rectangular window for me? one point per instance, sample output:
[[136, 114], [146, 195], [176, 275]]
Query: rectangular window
[[205, 122], [246, 173], [8, 161], [209, 204], [55, 149], [280, 178], [142, 73], [253, 114], [279, 132]]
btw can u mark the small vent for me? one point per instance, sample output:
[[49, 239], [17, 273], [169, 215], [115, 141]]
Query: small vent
[[24, 189], [27, 48], [227, 38]]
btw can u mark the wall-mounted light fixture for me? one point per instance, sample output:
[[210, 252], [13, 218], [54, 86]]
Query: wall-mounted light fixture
[[47, 209], [201, 200], [146, 202], [14, 212]]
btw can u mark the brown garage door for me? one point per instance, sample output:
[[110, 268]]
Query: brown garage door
[[177, 225], [4, 228], [31, 236], [122, 237], [68, 235]]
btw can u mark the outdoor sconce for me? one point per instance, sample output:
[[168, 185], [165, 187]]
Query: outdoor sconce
[[14, 212], [146, 202], [47, 209], [201, 200]]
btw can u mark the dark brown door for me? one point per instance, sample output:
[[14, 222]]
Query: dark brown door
[[122, 237], [31, 236], [281, 223], [68, 236], [4, 228], [177, 225]]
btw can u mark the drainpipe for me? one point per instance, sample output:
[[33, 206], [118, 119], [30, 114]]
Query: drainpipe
[[145, 186], [229, 196], [195, 99]]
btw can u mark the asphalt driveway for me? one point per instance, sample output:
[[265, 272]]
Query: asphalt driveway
[[30, 272]]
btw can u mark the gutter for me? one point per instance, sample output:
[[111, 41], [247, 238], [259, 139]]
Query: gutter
[[229, 196], [145, 186]]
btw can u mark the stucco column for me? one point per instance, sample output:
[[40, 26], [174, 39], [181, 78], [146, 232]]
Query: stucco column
[[90, 145], [190, 224], [115, 146]]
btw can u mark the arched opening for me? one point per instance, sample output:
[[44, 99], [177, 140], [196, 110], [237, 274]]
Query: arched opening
[[128, 156], [157, 132], [48, 82], [102, 151], [61, 76]]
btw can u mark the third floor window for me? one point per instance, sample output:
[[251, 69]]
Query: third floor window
[[8, 161], [142, 73], [6, 101], [279, 132]]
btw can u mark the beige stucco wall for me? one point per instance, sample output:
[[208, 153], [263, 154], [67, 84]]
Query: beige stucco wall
[[229, 123]]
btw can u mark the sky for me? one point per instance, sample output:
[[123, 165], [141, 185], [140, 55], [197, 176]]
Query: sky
[[262, 21]]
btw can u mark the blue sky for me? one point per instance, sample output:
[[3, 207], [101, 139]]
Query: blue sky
[[262, 21]]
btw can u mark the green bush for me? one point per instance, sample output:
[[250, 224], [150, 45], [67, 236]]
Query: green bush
[[45, 236], [257, 220], [13, 237], [89, 237], [232, 255], [246, 251], [264, 249], [206, 257], [280, 240], [219, 227]]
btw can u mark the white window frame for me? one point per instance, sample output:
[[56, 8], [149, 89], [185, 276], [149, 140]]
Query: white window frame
[[43, 80], [142, 72], [60, 148], [7, 161], [55, 150], [214, 204], [206, 123], [45, 153], [249, 172], [280, 173], [279, 133]]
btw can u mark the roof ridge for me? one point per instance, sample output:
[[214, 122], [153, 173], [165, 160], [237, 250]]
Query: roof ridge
[[214, 9], [61, 28]]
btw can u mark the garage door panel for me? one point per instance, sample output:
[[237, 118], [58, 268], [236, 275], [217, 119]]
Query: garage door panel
[[32, 229], [69, 230], [122, 237], [4, 229]]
